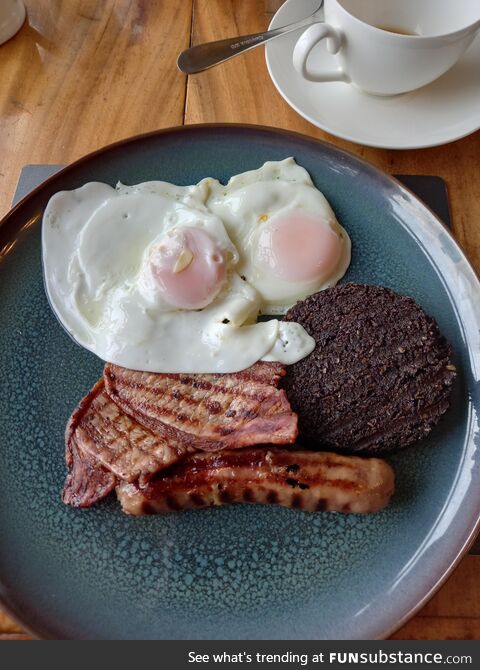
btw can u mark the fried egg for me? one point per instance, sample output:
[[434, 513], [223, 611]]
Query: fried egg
[[288, 239], [146, 277]]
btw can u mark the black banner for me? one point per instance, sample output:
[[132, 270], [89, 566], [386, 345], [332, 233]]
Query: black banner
[[203, 655]]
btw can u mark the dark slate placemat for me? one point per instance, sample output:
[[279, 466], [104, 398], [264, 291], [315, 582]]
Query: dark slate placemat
[[31, 176], [432, 190]]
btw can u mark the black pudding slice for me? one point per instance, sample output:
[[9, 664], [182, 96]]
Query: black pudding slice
[[380, 376]]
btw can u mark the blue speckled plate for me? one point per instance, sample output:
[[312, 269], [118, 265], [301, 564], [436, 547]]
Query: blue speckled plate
[[243, 572]]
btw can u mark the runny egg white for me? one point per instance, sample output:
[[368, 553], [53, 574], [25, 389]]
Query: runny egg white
[[165, 278]]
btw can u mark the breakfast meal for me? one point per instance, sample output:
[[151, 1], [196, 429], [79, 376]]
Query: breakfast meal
[[204, 399]]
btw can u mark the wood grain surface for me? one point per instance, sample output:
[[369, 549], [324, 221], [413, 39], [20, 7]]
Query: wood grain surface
[[84, 73]]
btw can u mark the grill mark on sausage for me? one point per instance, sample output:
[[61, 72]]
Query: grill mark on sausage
[[365, 485], [272, 497], [257, 458], [226, 497], [172, 503], [293, 468], [321, 505], [197, 499], [248, 495], [147, 508]]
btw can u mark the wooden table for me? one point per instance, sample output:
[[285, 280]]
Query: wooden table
[[84, 73]]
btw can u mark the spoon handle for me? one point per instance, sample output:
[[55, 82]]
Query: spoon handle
[[207, 55]]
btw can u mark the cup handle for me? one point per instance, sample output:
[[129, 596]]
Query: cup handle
[[304, 46]]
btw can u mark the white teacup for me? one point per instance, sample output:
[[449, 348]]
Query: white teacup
[[12, 16], [386, 47]]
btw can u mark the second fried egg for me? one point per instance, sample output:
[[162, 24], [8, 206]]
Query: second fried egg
[[289, 241]]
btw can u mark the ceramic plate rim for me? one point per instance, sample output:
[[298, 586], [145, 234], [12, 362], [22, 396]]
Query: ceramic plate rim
[[342, 135], [11, 229]]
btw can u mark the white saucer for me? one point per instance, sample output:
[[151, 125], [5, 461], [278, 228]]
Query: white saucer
[[446, 110]]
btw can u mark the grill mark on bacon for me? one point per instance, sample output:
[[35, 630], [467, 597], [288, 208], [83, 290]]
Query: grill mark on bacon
[[79, 412], [148, 407], [335, 482], [161, 390], [123, 445], [104, 444], [266, 373], [205, 381], [87, 482], [211, 412], [213, 406]]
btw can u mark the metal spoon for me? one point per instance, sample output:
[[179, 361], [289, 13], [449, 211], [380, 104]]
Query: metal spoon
[[203, 56]]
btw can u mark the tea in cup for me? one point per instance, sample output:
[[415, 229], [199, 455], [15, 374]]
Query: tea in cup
[[387, 47]]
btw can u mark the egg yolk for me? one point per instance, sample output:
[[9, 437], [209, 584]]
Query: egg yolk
[[188, 267], [299, 246]]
